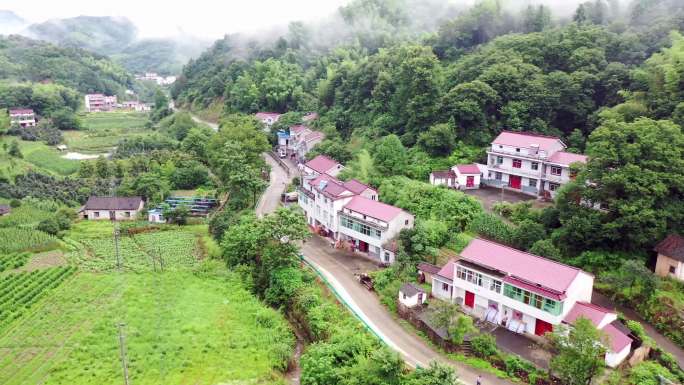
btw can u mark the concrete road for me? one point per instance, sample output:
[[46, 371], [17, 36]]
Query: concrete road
[[279, 179], [338, 268], [332, 265]]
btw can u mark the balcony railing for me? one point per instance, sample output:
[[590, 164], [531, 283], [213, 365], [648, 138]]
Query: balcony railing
[[536, 174], [552, 177], [541, 155]]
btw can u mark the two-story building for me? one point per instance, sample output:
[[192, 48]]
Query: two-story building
[[100, 102], [522, 292], [530, 163], [24, 117], [298, 142], [349, 212]]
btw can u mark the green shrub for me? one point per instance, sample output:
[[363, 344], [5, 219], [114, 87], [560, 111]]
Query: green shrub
[[649, 373], [484, 345], [492, 227]]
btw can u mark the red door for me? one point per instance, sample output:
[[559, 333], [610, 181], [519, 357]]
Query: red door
[[514, 181], [363, 246], [470, 181], [470, 299], [542, 327]]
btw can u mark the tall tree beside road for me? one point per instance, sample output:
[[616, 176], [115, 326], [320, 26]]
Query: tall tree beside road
[[579, 353]]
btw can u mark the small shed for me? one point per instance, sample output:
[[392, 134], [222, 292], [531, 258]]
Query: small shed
[[61, 147], [411, 295], [155, 216], [426, 271], [5, 209], [467, 176]]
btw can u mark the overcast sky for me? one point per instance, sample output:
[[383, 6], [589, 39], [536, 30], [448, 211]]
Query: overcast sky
[[202, 18]]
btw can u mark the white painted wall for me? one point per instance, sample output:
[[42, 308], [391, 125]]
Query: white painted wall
[[119, 215], [411, 301], [613, 359]]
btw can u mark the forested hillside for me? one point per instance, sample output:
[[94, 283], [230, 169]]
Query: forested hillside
[[27, 60], [118, 37]]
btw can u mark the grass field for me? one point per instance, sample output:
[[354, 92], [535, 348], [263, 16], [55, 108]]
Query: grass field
[[194, 323], [181, 328], [102, 130], [36, 155]]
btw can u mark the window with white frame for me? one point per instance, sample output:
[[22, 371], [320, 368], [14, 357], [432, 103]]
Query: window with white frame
[[534, 166]]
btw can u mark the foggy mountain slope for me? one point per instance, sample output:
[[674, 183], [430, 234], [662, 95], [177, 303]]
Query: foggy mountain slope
[[118, 37], [10, 22]]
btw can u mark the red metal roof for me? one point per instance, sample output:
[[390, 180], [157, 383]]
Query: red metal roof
[[447, 271], [672, 246], [314, 135], [443, 174], [526, 139], [587, 310], [321, 164], [262, 115], [355, 186], [468, 169], [19, 111], [618, 339], [528, 267], [371, 208], [297, 129], [329, 186], [428, 268], [567, 158]]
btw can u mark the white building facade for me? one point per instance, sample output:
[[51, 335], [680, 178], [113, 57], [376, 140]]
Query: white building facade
[[24, 117], [532, 164], [349, 212]]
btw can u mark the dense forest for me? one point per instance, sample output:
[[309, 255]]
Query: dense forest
[[27, 60], [449, 91]]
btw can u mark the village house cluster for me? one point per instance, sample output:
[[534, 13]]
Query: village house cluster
[[532, 164], [154, 77], [103, 103], [349, 213]]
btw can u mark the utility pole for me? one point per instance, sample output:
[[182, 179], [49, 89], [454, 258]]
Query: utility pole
[[116, 246], [122, 349]]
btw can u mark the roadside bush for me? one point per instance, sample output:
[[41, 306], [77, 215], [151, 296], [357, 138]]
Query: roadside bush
[[545, 248], [526, 233], [516, 367], [483, 345], [649, 373]]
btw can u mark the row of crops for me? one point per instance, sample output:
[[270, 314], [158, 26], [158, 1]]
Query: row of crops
[[170, 250], [13, 260], [14, 239], [19, 291]]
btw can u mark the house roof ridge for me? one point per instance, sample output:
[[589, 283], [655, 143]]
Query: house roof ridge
[[534, 255]]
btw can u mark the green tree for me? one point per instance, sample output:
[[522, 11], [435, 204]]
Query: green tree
[[435, 374], [65, 119], [579, 352], [390, 156], [102, 169], [636, 173], [178, 215], [14, 150], [438, 140], [4, 121], [196, 141]]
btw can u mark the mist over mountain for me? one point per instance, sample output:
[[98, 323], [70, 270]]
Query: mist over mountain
[[10, 22], [118, 37]]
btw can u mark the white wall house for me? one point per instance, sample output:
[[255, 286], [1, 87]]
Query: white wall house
[[460, 176], [411, 295], [349, 212], [522, 292], [298, 142], [267, 118], [100, 102], [368, 225], [112, 208], [530, 163], [24, 117]]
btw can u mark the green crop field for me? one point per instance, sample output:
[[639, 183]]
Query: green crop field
[[193, 323], [102, 131], [38, 155]]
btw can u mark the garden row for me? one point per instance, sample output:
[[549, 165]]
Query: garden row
[[19, 291]]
